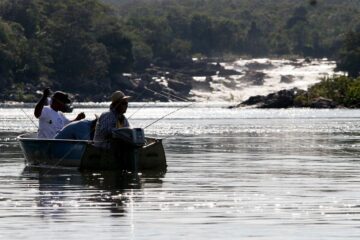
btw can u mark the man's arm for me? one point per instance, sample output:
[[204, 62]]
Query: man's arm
[[39, 106], [79, 117]]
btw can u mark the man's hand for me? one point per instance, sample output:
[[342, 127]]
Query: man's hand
[[43, 101], [46, 93], [80, 116]]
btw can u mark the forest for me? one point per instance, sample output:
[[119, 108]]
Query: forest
[[84, 46]]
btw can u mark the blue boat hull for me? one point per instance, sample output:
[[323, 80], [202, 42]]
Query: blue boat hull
[[82, 154], [64, 153]]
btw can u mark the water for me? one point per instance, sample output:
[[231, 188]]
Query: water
[[301, 74], [232, 174]]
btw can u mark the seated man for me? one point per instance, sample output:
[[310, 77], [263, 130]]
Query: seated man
[[114, 118], [51, 118], [80, 130]]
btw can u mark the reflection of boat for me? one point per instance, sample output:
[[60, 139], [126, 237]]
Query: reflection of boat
[[83, 155], [57, 179], [100, 190]]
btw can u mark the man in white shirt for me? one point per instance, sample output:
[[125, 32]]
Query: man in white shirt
[[51, 118]]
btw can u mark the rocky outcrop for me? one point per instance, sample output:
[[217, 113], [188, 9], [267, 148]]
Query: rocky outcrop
[[321, 102], [287, 99], [281, 99]]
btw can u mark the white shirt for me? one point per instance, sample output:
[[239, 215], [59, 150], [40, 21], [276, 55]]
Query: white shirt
[[51, 122]]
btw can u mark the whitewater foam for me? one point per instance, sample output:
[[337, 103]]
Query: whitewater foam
[[300, 73]]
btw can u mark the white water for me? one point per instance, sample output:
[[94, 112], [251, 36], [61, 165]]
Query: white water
[[304, 75]]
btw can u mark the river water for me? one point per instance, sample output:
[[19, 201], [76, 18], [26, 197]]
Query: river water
[[232, 174]]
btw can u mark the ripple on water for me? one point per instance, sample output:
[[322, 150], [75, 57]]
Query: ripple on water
[[231, 174]]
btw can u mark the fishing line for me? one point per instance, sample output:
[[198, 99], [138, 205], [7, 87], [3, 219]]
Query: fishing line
[[168, 94], [180, 98], [159, 93], [61, 159], [142, 93], [142, 106], [168, 114], [29, 117]]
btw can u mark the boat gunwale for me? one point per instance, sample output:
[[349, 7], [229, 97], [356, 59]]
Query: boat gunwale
[[27, 139], [22, 138]]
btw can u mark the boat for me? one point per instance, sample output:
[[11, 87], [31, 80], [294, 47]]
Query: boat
[[84, 155]]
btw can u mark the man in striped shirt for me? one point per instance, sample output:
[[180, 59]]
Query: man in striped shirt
[[114, 118]]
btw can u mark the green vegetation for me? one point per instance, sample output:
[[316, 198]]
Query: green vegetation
[[349, 59], [75, 45], [84, 46], [252, 27], [343, 91]]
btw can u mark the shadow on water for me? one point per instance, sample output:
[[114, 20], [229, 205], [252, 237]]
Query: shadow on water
[[67, 188]]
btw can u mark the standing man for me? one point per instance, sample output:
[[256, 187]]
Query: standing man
[[114, 118], [51, 118]]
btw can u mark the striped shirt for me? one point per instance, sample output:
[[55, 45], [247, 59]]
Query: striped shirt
[[107, 122]]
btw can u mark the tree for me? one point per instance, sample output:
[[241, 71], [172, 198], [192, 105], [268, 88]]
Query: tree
[[12, 45], [201, 28], [254, 41], [119, 48], [349, 59]]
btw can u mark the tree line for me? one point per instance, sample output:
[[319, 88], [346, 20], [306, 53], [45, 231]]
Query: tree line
[[85, 45]]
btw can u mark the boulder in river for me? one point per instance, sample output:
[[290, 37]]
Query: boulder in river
[[255, 66], [286, 79], [253, 77], [322, 102], [280, 99]]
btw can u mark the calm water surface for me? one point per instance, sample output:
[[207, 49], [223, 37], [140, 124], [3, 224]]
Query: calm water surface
[[232, 174]]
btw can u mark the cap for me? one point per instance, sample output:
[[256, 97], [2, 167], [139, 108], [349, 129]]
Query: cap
[[61, 97], [118, 96]]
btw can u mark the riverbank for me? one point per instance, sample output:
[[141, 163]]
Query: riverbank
[[200, 80], [334, 92]]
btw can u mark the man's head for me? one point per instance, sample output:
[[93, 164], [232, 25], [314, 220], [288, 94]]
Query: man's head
[[60, 101], [119, 102]]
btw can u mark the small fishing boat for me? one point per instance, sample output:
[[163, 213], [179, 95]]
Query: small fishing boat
[[124, 154]]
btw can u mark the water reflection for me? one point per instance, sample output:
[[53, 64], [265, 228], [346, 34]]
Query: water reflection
[[61, 190]]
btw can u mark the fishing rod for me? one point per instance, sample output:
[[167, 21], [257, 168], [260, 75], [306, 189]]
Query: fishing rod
[[159, 93], [168, 114], [142, 93], [29, 117]]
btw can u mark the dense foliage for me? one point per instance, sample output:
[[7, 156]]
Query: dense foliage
[[343, 91], [85, 45], [253, 27], [75, 45], [349, 59]]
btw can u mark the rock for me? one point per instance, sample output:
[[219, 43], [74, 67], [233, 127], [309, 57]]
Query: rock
[[255, 66], [254, 100], [227, 72], [202, 85], [181, 88], [321, 102], [287, 79], [307, 60], [280, 99], [253, 77]]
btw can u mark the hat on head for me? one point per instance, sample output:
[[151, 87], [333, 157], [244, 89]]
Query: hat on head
[[61, 97], [118, 96]]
